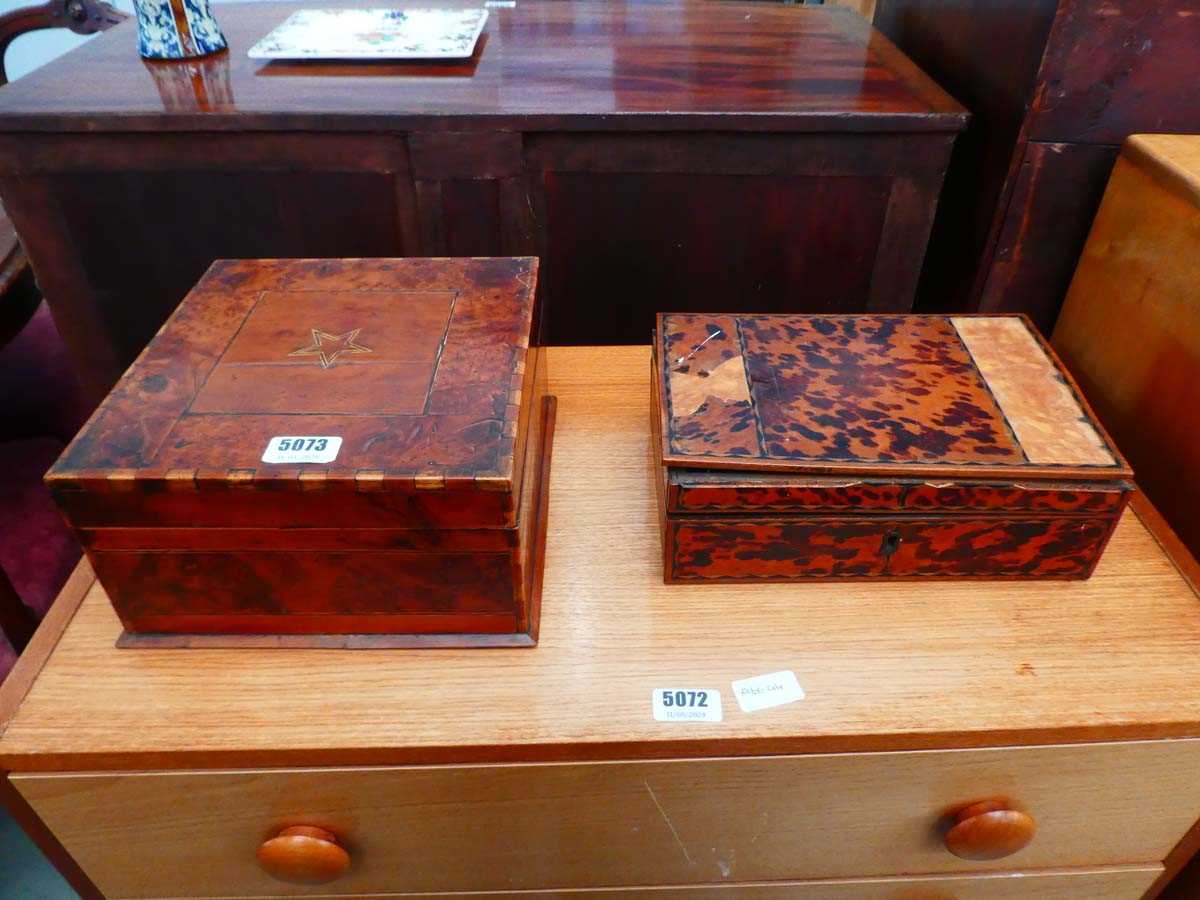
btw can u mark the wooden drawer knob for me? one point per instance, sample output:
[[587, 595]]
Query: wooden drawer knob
[[304, 855], [989, 829]]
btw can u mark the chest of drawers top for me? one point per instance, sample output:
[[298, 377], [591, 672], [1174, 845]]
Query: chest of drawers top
[[541, 65], [883, 666]]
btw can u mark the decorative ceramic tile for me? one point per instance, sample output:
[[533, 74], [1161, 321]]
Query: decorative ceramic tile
[[374, 34]]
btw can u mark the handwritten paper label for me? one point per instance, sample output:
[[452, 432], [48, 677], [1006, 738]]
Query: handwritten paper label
[[765, 691], [686, 705], [289, 449]]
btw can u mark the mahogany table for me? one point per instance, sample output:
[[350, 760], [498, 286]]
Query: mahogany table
[[676, 155], [542, 773]]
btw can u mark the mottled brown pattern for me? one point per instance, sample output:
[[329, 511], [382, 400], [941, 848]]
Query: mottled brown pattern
[[885, 389], [833, 393], [1044, 548], [220, 379], [719, 491], [878, 388], [1037, 497], [310, 582], [706, 386], [430, 519], [811, 547]]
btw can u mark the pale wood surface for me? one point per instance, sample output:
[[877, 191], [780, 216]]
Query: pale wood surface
[[1130, 326], [865, 8], [19, 680], [1176, 156], [573, 825], [885, 666], [1110, 883], [1140, 269]]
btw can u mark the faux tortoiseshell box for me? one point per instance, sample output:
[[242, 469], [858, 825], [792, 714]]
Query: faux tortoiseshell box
[[847, 446]]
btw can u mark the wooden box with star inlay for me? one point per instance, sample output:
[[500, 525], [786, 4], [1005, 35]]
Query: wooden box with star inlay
[[878, 446], [335, 453]]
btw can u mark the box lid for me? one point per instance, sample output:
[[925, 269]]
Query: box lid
[[401, 375], [898, 396]]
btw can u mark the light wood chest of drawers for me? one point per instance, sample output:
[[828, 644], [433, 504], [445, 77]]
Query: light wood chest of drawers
[[542, 773]]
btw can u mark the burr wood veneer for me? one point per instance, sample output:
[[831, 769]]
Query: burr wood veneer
[[507, 771], [416, 503]]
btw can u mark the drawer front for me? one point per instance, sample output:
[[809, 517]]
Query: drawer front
[[676, 822], [866, 546], [1105, 884]]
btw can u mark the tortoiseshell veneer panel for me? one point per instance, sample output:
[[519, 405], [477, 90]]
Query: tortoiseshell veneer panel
[[691, 490], [813, 547], [859, 393], [894, 446]]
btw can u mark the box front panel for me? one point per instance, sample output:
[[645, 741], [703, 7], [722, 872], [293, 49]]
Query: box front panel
[[716, 492], [217, 505], [743, 549], [546, 827], [312, 591]]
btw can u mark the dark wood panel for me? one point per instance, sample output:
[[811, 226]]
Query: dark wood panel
[[1113, 70], [1047, 71], [1185, 885], [474, 223], [541, 65], [116, 255], [788, 158], [462, 217], [986, 53], [1055, 198], [901, 249], [28, 154], [458, 154], [620, 247], [828, 155]]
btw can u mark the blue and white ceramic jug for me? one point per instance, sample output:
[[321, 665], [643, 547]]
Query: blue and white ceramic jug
[[177, 29]]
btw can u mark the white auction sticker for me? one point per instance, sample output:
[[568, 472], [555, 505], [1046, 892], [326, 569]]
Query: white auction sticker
[[288, 449], [765, 691], [686, 705]]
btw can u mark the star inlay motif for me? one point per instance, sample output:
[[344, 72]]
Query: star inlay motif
[[328, 347]]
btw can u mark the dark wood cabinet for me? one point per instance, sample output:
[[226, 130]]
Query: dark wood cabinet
[[1054, 87], [122, 227], [676, 155]]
